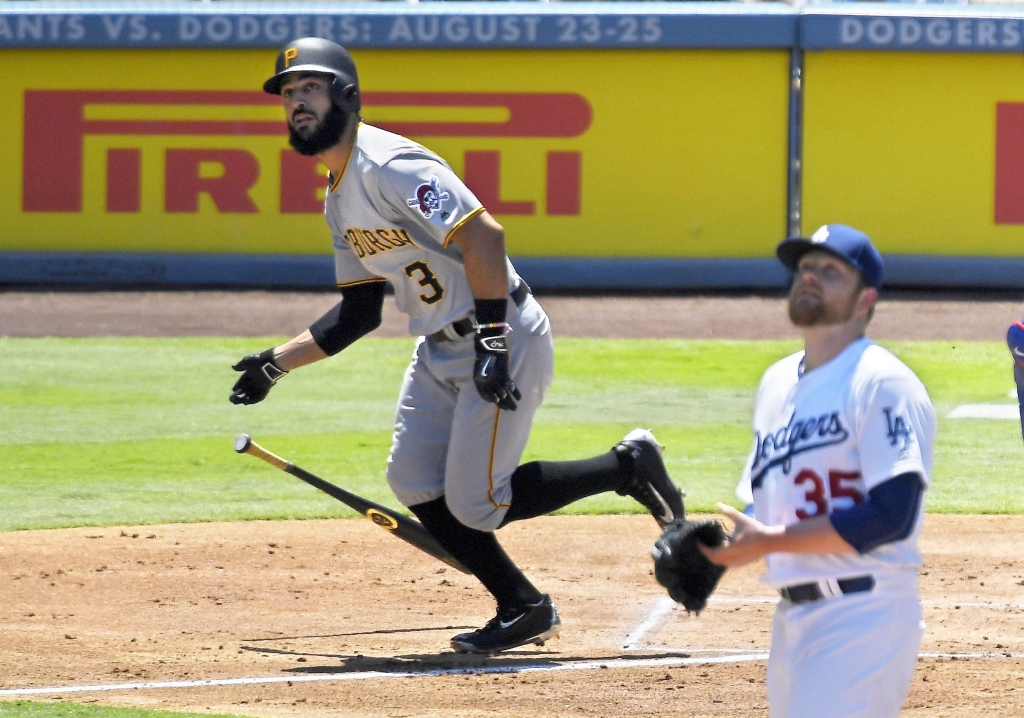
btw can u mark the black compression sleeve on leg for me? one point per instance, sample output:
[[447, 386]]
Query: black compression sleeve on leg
[[541, 487], [357, 314], [480, 552]]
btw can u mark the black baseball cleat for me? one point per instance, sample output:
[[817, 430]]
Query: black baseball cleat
[[515, 626], [650, 483]]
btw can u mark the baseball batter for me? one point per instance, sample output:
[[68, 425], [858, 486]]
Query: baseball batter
[[841, 460], [399, 214]]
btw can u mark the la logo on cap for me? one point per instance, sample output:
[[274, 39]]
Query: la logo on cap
[[821, 235]]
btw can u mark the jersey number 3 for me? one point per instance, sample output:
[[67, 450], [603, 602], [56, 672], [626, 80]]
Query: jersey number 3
[[429, 279], [814, 491]]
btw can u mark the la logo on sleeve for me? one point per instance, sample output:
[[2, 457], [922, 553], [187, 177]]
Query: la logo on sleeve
[[897, 429]]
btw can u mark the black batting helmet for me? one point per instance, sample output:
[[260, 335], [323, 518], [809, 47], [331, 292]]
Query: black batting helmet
[[314, 54]]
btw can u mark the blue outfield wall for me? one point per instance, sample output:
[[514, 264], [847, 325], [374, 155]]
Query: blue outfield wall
[[860, 26], [386, 25], [283, 271], [912, 28], [853, 26], [158, 269]]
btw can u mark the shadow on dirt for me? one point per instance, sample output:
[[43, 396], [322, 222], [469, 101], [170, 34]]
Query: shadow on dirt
[[507, 662], [381, 632]]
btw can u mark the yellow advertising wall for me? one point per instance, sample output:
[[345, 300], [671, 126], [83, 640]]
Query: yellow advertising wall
[[904, 146], [683, 154]]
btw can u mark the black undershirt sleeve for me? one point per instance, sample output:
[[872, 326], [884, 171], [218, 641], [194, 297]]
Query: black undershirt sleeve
[[357, 314]]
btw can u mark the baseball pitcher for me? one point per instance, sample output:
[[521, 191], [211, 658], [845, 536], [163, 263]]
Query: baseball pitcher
[[842, 457]]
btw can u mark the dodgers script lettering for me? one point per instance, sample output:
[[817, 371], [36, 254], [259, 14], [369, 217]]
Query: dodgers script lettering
[[796, 437]]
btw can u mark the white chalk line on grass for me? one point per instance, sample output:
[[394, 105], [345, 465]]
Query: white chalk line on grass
[[613, 663], [986, 411]]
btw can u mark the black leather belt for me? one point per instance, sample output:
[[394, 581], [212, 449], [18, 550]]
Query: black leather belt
[[465, 326], [810, 592]]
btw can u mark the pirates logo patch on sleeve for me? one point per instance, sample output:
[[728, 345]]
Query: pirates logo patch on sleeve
[[429, 198]]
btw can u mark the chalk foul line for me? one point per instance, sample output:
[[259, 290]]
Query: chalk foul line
[[662, 607], [367, 675]]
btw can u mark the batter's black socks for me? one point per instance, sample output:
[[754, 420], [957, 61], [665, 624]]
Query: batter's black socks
[[541, 487], [480, 552]]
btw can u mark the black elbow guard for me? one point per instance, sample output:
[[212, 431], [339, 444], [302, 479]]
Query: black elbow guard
[[357, 314]]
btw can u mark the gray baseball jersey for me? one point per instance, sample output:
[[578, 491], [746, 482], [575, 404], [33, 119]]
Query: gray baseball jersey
[[392, 214]]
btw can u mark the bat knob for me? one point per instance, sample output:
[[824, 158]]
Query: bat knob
[[242, 443]]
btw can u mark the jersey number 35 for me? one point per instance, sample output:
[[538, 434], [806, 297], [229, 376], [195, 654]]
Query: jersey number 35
[[839, 491]]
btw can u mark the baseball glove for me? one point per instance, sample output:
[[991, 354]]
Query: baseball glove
[[680, 566]]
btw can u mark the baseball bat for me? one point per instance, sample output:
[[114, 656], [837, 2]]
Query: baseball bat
[[405, 528]]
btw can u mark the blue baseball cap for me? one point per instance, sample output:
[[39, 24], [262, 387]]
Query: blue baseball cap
[[849, 244]]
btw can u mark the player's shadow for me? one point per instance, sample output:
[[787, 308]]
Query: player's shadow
[[379, 632], [509, 661], [447, 661], [506, 662]]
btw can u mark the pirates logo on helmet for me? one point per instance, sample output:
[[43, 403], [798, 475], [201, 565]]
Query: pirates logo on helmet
[[314, 54]]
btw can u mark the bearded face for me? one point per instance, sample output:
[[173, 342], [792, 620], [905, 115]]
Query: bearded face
[[808, 312], [825, 291], [311, 139]]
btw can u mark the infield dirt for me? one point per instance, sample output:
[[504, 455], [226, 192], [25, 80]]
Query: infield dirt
[[304, 599]]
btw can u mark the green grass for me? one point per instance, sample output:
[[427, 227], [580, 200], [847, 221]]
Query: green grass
[[134, 431], [30, 709]]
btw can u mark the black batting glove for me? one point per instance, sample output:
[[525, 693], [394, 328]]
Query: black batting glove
[[490, 373], [259, 373]]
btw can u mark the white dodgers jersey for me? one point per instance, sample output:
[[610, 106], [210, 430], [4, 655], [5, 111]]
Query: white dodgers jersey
[[825, 438], [392, 215]]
